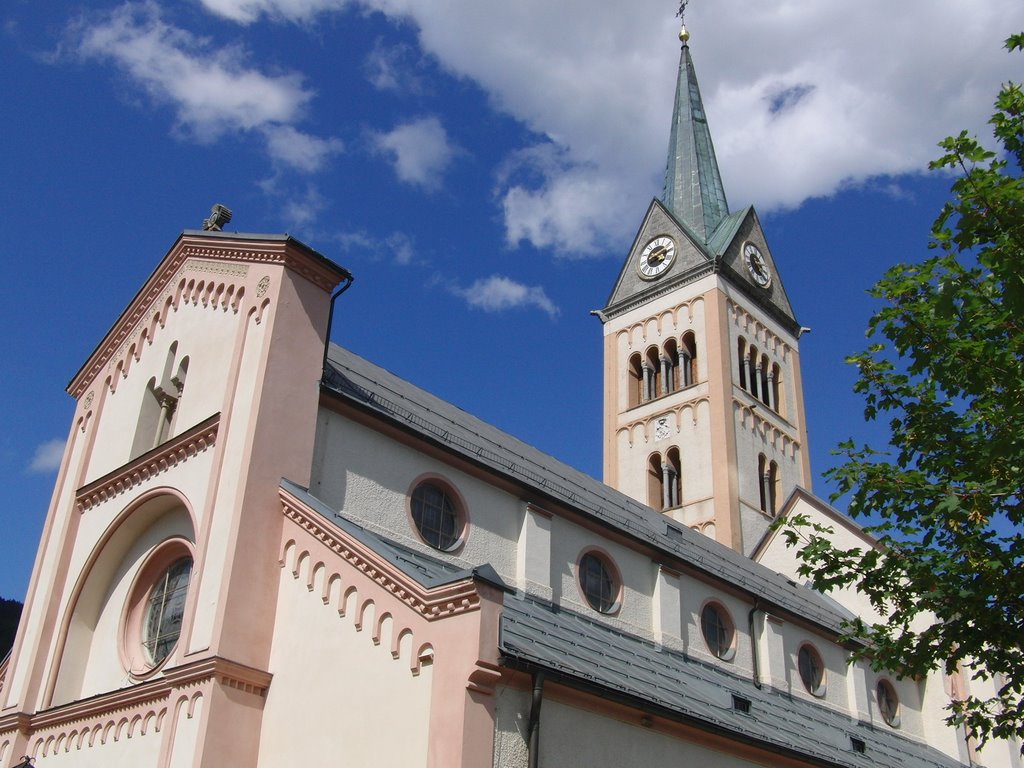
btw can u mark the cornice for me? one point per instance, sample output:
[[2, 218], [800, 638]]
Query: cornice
[[431, 603], [219, 254], [659, 289], [155, 462], [185, 676]]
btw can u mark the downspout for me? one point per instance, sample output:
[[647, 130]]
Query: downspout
[[753, 646], [534, 728], [330, 317]]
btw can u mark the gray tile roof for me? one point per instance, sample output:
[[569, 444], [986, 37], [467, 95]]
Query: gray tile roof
[[580, 652], [576, 650], [428, 571], [391, 398]]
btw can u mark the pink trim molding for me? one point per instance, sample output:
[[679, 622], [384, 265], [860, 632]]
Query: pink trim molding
[[171, 453]]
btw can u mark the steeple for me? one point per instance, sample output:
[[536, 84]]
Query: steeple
[[693, 186]]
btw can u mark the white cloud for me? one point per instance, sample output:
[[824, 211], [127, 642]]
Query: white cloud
[[419, 150], [392, 68], [299, 150], [212, 90], [803, 97], [47, 457], [396, 248], [498, 293], [302, 210], [248, 11]]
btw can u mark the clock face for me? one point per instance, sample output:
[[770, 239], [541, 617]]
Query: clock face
[[757, 266], [656, 257]]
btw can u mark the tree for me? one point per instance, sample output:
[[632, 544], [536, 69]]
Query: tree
[[945, 500]]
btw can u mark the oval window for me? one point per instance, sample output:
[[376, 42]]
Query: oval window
[[598, 582], [436, 515], [888, 703], [812, 670], [717, 628]]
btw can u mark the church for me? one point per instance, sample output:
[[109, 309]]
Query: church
[[263, 550]]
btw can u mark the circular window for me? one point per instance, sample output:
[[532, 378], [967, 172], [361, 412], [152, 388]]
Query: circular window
[[717, 628], [598, 582], [812, 670], [156, 607], [888, 703], [436, 515], [165, 609]]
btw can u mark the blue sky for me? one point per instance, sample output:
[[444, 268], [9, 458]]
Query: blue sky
[[480, 167]]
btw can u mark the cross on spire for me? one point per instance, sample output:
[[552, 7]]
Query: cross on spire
[[682, 10]]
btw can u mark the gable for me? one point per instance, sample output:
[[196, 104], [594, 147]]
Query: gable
[[728, 243], [691, 261]]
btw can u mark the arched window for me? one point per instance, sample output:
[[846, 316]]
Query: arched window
[[741, 359], [764, 368], [652, 374], [655, 483], [159, 405], [636, 381], [775, 384], [753, 370], [768, 479], [673, 482], [178, 390], [672, 376], [774, 496], [688, 359]]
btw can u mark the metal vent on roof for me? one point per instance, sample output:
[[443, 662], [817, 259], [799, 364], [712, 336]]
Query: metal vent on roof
[[673, 532], [741, 704], [858, 744]]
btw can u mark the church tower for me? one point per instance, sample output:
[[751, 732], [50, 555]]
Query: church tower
[[704, 414]]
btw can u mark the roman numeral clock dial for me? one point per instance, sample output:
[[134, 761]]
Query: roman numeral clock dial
[[757, 265], [656, 257]]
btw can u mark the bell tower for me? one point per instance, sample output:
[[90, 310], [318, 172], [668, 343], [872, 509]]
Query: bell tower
[[703, 413]]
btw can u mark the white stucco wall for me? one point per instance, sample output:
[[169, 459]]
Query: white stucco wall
[[574, 737], [369, 476], [337, 698]]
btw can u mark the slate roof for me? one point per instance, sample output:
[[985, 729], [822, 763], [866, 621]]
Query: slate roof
[[395, 400], [580, 652], [427, 571], [576, 650]]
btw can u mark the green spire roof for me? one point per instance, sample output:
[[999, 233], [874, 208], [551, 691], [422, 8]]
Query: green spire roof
[[693, 186]]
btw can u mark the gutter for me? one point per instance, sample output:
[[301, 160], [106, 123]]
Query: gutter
[[330, 318], [533, 747]]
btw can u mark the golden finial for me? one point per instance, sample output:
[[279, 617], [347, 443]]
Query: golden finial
[[684, 34]]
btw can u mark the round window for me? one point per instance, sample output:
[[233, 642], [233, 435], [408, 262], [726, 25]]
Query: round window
[[812, 670], [155, 610], [717, 628], [436, 515], [165, 608], [888, 703], [598, 583]]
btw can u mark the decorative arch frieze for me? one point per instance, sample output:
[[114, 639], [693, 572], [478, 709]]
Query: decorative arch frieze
[[667, 323], [643, 428], [368, 590]]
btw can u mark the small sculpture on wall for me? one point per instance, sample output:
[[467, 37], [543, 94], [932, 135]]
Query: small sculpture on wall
[[219, 216]]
